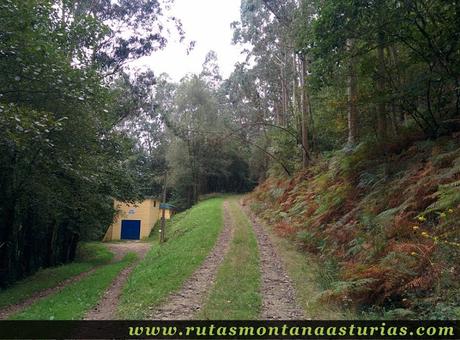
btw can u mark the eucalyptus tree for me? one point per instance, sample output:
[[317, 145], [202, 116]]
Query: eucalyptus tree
[[358, 71], [193, 123], [405, 50], [280, 67], [205, 153]]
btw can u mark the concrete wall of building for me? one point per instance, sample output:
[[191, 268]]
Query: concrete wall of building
[[147, 211]]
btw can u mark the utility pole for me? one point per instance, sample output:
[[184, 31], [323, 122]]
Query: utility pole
[[163, 224]]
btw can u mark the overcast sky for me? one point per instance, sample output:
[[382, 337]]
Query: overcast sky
[[208, 23]]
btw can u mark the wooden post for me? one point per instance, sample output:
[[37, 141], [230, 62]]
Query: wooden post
[[162, 233], [163, 224]]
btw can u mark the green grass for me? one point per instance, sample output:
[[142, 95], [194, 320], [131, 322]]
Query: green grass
[[236, 293], [89, 255], [75, 300], [93, 252], [190, 237]]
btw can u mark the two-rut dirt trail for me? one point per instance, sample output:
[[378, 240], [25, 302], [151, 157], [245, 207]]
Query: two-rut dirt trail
[[107, 306], [278, 294]]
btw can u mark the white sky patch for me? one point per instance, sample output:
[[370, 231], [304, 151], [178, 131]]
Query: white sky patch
[[208, 23]]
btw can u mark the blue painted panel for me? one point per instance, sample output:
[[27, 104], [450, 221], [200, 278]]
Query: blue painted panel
[[130, 230]]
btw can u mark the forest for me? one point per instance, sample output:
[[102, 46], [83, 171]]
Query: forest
[[343, 123]]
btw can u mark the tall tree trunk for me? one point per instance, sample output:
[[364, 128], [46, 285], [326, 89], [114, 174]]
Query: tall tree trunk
[[286, 92], [195, 192], [52, 243], [295, 96], [397, 106], [278, 108], [305, 109], [9, 246], [352, 92], [295, 105], [194, 169], [282, 121], [284, 97], [381, 107]]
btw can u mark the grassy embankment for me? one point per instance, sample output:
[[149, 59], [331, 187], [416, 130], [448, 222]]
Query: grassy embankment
[[236, 293], [190, 237], [89, 256], [384, 231]]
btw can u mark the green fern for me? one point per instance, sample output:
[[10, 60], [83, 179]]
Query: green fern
[[399, 262], [450, 185], [342, 289], [448, 197]]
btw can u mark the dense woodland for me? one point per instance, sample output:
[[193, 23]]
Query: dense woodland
[[345, 112]]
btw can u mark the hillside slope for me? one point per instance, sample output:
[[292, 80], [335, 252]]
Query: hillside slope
[[386, 230]]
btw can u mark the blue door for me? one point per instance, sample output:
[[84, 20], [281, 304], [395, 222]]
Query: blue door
[[130, 230]]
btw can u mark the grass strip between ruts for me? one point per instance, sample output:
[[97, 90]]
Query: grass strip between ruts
[[236, 293]]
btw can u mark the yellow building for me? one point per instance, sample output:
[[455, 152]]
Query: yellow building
[[135, 221]]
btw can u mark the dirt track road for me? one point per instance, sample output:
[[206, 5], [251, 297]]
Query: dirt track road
[[184, 304], [278, 293], [107, 306]]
